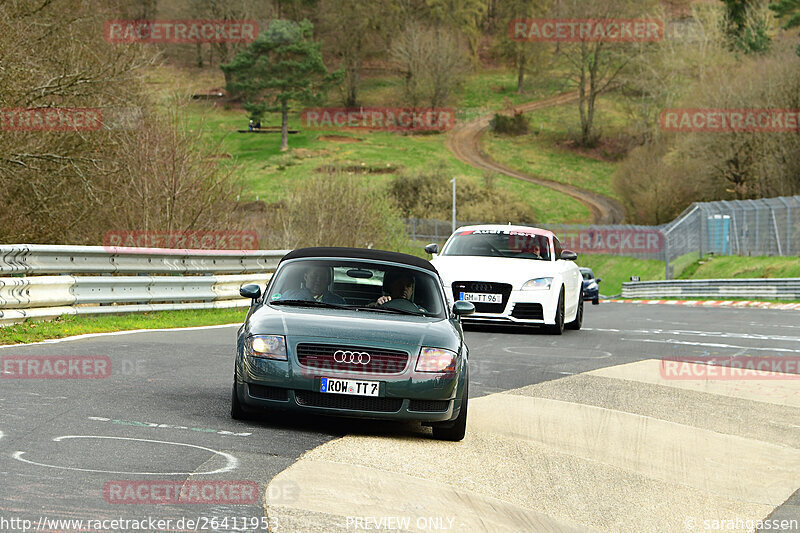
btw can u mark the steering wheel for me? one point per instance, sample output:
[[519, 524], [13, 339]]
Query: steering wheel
[[402, 304]]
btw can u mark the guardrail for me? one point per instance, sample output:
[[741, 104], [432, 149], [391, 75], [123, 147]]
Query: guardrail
[[56, 259], [27, 292], [773, 289]]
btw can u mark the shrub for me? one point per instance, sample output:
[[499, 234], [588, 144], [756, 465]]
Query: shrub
[[517, 124], [335, 210], [429, 195]]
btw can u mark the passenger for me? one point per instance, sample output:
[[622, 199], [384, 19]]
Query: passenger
[[315, 287]]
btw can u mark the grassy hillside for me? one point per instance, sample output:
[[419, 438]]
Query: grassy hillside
[[380, 156], [547, 150]]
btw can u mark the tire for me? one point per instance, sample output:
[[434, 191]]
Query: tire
[[596, 301], [237, 411], [578, 322], [455, 431], [558, 327]]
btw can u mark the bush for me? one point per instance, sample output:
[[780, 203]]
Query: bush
[[429, 195], [335, 210], [514, 125]]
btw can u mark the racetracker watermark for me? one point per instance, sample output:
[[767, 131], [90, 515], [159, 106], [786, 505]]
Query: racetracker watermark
[[181, 31], [380, 118], [55, 367], [613, 241], [730, 368], [193, 240], [731, 120], [51, 119], [171, 492], [586, 30]]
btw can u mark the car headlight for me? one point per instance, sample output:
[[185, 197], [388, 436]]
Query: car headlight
[[592, 286], [268, 346], [436, 360], [538, 284]]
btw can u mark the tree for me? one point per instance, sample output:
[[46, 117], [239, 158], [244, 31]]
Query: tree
[[595, 65], [790, 10], [281, 67], [747, 25], [465, 16], [354, 30], [432, 63], [524, 57]]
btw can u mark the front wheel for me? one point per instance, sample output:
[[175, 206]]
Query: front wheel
[[596, 301], [237, 412], [558, 327], [578, 322], [455, 431]]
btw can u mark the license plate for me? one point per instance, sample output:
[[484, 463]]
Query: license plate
[[482, 297], [350, 386]]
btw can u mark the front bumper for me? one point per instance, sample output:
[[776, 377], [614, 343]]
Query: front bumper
[[522, 307], [258, 397], [409, 395]]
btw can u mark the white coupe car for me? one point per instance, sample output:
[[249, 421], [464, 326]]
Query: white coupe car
[[513, 275]]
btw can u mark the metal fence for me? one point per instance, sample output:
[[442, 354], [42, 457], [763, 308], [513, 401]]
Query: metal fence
[[769, 226]]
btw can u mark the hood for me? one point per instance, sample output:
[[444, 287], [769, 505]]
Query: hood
[[498, 269], [354, 327]]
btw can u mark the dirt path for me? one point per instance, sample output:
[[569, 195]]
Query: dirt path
[[465, 143]]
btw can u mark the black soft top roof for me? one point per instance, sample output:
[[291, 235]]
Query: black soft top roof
[[361, 253]]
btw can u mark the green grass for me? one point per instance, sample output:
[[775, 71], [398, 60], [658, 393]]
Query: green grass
[[743, 267], [67, 326], [615, 269]]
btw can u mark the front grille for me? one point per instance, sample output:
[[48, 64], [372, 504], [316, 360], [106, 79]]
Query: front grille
[[344, 401], [268, 393], [483, 287], [528, 311], [429, 405], [381, 361]]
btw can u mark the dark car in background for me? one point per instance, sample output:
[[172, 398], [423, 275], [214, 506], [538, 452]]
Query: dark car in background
[[591, 289], [354, 333]]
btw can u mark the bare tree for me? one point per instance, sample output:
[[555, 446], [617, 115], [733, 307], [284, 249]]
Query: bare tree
[[596, 64], [432, 63]]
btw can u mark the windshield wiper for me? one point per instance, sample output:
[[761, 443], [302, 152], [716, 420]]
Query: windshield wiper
[[392, 310], [310, 303]]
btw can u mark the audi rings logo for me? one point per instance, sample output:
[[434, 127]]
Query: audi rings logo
[[354, 358], [482, 287]]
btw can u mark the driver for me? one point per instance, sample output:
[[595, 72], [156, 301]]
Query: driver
[[316, 280], [398, 285]]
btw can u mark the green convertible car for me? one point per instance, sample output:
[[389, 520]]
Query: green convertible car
[[357, 333]]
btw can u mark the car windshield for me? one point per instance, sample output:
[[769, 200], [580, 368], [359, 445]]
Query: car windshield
[[363, 285], [587, 274], [499, 243]]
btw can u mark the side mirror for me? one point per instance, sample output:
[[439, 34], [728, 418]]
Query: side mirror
[[432, 248], [462, 308], [250, 291], [568, 255], [598, 280]]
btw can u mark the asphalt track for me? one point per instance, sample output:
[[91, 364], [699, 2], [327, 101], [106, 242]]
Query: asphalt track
[[571, 433]]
